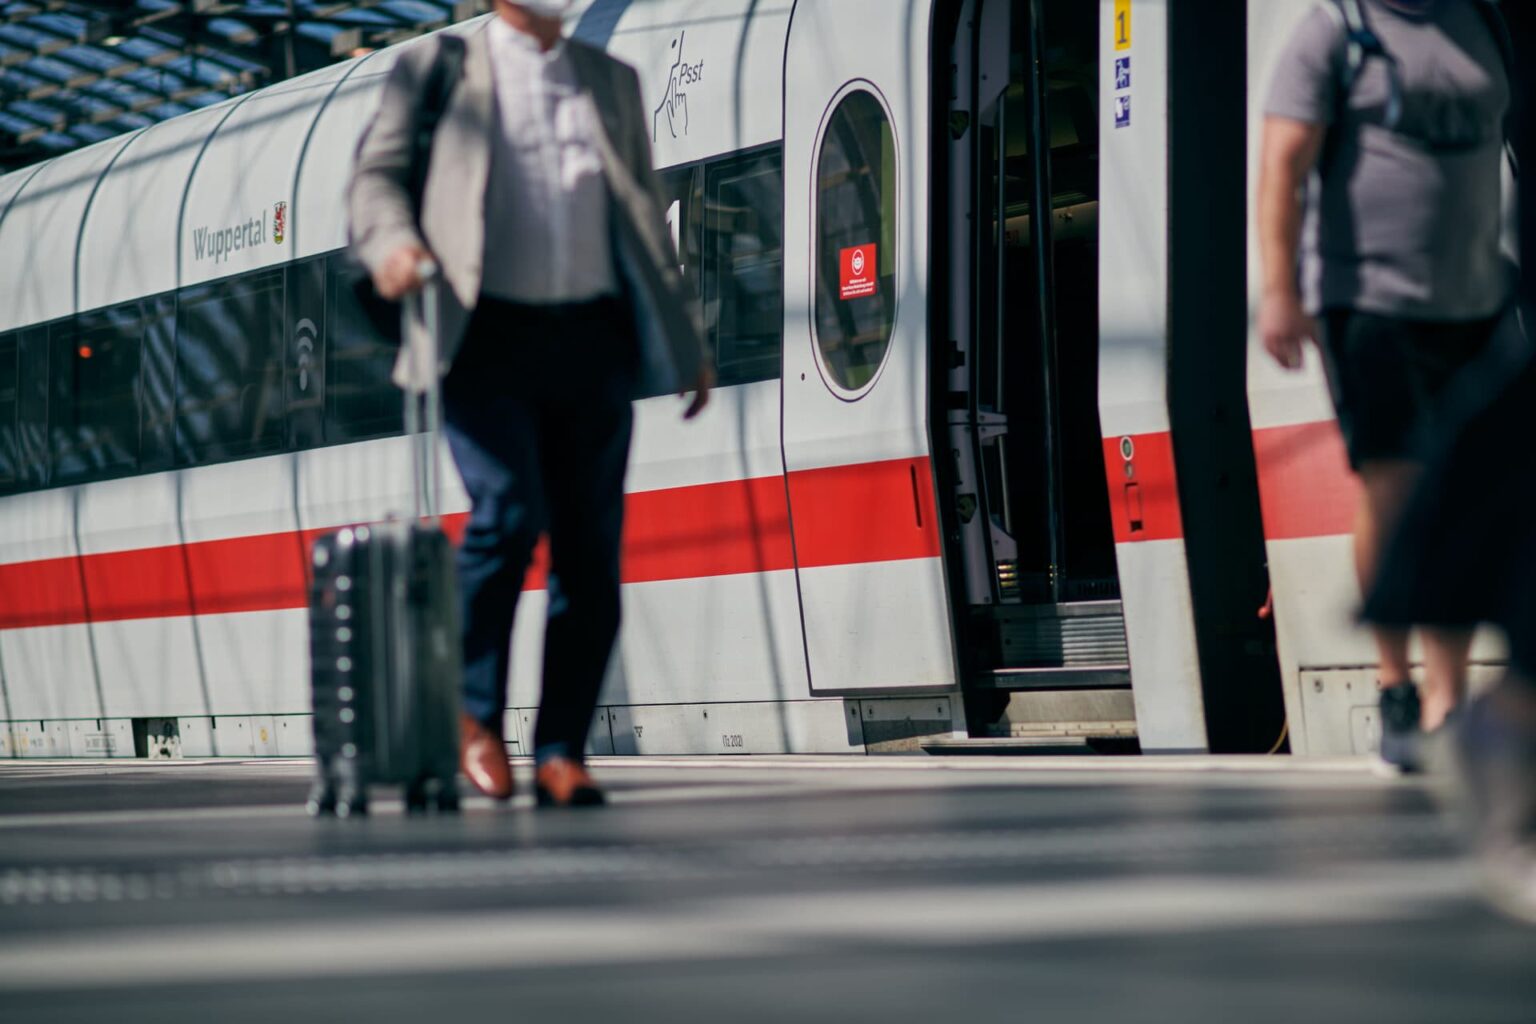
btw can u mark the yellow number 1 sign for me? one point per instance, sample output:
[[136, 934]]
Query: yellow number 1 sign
[[1122, 24]]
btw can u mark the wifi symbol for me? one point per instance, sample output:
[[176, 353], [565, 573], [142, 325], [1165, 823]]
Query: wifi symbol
[[305, 334]]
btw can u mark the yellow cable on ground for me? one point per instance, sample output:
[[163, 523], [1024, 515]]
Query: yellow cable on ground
[[1285, 730]]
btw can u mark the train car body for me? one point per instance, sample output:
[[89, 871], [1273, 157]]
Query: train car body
[[936, 495]]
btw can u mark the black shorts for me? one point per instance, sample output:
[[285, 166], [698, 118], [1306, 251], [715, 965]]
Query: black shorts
[[1388, 376]]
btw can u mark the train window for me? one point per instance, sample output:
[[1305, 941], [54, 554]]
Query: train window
[[683, 193], [32, 407], [229, 369], [93, 401], [10, 401], [855, 241], [305, 363], [361, 401], [744, 285], [157, 386]]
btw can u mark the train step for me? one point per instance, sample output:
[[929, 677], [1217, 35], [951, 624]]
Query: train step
[[1052, 646], [1036, 746], [1075, 677]]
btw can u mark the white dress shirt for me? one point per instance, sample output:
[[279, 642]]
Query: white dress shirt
[[547, 207]]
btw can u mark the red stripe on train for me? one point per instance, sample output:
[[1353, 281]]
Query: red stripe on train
[[876, 512], [1143, 488], [42, 593], [847, 515], [1306, 488]]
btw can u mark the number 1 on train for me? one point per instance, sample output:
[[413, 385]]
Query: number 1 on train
[[1122, 24]]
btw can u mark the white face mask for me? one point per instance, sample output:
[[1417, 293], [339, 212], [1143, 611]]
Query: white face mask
[[544, 8]]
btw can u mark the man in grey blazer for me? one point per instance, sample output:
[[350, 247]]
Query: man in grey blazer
[[562, 301]]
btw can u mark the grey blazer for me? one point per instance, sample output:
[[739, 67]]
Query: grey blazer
[[451, 221]]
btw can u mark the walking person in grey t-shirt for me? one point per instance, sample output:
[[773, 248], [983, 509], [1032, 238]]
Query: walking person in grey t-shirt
[[1401, 280]]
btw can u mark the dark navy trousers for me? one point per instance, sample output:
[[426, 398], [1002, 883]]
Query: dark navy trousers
[[537, 414]]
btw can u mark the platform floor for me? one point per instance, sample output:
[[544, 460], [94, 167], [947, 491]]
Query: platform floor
[[800, 890]]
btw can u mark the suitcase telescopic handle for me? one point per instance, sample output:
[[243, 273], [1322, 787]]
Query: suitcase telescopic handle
[[424, 410]]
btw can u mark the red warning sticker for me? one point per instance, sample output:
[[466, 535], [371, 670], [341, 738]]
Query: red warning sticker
[[860, 276]]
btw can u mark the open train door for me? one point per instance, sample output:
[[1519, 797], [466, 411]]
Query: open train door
[[856, 445]]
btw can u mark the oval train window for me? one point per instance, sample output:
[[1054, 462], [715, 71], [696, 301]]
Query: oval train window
[[855, 241]]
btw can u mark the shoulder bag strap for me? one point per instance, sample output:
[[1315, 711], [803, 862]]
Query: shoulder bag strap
[[437, 91], [1499, 29], [1363, 44]]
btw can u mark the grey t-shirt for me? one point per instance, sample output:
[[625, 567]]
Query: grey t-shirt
[[1402, 222]]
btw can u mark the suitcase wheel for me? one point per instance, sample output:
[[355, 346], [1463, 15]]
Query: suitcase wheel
[[322, 798], [351, 803], [448, 796], [416, 798]]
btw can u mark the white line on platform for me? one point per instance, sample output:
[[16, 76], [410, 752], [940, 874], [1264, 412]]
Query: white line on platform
[[148, 817], [873, 774], [727, 929], [104, 766], [1201, 763]]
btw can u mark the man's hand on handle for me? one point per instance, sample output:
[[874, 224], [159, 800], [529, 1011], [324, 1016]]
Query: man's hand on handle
[[1285, 328], [701, 388], [400, 274]]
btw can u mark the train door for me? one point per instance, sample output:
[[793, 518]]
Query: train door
[[1016, 399], [856, 445]]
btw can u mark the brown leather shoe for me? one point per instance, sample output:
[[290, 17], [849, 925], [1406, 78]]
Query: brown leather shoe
[[483, 759], [562, 782]]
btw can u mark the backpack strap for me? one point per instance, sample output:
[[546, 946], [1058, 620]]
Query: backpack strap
[[436, 92], [1499, 29], [1363, 44]]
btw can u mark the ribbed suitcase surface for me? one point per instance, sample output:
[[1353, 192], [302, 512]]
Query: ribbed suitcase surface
[[385, 666]]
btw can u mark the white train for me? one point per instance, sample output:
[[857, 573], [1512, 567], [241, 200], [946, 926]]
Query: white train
[[967, 472]]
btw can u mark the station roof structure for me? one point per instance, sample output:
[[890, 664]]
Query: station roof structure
[[74, 72]]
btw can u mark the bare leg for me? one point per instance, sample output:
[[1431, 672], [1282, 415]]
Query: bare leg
[[1446, 654], [1497, 760], [1386, 489]]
